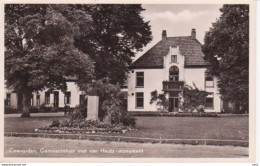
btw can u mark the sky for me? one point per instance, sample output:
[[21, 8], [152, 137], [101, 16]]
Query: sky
[[178, 20]]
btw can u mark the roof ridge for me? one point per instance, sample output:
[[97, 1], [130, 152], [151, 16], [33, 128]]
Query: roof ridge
[[179, 36]]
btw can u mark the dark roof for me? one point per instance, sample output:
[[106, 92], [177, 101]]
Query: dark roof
[[189, 47]]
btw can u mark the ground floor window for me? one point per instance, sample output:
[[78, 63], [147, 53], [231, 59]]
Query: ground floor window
[[210, 101], [38, 100], [82, 100], [67, 97], [32, 101], [47, 97], [139, 100], [8, 99]]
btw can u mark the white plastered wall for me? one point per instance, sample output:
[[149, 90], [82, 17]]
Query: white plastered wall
[[71, 87], [152, 81]]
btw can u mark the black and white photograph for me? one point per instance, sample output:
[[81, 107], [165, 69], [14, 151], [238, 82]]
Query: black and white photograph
[[128, 81]]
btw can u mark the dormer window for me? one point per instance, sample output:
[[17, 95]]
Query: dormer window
[[174, 59]]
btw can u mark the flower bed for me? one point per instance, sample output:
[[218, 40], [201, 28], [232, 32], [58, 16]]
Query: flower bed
[[84, 127], [173, 114]]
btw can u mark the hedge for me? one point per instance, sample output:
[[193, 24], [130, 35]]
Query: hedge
[[172, 114]]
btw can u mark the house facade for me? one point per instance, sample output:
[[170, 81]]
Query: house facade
[[169, 65], [72, 97]]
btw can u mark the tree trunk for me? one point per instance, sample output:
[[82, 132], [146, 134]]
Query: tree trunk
[[20, 102], [26, 104]]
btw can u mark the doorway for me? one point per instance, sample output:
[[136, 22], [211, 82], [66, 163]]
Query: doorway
[[173, 104]]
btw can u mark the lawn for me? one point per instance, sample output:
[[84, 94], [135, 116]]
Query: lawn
[[228, 127]]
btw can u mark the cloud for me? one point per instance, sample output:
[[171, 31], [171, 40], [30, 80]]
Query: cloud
[[182, 16]]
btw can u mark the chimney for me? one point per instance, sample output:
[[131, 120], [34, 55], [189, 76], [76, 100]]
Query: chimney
[[164, 35], [193, 33]]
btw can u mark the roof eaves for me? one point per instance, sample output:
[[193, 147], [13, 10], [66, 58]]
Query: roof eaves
[[147, 67]]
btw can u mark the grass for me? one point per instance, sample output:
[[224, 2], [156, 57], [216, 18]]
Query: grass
[[228, 128]]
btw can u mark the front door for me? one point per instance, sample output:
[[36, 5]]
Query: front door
[[56, 99], [173, 104]]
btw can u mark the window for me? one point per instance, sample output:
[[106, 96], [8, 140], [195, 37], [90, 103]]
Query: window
[[67, 97], [47, 97], [38, 100], [209, 81], [174, 59], [8, 99], [174, 73], [139, 79], [82, 100], [32, 100], [139, 100], [210, 101]]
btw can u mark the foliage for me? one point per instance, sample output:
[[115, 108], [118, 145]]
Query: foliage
[[39, 48], [193, 99], [173, 114], [160, 99], [84, 126], [10, 110], [112, 101], [55, 123], [118, 31], [226, 48]]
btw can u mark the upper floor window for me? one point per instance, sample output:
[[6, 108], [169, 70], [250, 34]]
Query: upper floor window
[[174, 59], [209, 81], [139, 79], [67, 97], [174, 73]]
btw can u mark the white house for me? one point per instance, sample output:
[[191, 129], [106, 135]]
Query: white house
[[72, 97], [167, 67]]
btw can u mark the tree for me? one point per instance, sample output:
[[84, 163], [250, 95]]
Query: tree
[[118, 32], [193, 99], [226, 49], [40, 51]]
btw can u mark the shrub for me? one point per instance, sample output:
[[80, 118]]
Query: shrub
[[55, 123], [34, 110], [192, 99], [173, 114], [10, 110], [54, 109], [160, 100], [200, 109], [76, 114], [129, 120]]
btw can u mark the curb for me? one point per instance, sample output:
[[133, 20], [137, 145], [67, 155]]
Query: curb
[[216, 142]]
